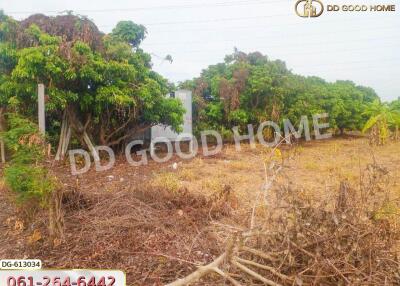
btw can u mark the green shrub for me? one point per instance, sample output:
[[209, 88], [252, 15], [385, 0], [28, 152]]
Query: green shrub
[[28, 182], [26, 174]]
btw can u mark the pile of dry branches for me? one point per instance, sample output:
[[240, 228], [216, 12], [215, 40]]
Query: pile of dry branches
[[350, 240]]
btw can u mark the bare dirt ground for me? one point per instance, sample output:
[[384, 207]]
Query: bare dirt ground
[[156, 222]]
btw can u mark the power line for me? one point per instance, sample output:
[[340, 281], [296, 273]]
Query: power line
[[351, 62], [206, 21], [344, 50], [166, 7], [347, 68], [221, 20], [309, 36], [321, 52], [259, 26], [264, 26], [246, 18], [199, 21], [297, 46], [216, 20]]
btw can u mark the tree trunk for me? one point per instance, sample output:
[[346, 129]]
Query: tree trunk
[[102, 135], [91, 147], [67, 139], [64, 139], [81, 132]]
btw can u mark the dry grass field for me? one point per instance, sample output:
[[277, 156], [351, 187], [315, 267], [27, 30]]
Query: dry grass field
[[315, 168], [157, 222]]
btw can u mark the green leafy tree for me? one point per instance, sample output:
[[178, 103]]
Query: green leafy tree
[[129, 32], [100, 87], [251, 88]]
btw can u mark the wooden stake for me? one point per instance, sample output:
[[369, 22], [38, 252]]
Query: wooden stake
[[2, 151]]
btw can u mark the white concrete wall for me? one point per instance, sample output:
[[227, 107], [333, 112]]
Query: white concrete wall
[[165, 131]]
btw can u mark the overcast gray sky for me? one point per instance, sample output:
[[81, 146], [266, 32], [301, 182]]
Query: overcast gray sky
[[363, 47]]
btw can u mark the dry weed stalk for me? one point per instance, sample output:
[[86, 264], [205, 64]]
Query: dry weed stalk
[[56, 215], [297, 242]]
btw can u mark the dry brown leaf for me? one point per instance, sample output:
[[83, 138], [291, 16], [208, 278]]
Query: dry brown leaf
[[35, 237], [57, 242], [19, 225]]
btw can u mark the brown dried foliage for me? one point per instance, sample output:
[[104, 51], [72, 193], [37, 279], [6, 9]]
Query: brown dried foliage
[[70, 27]]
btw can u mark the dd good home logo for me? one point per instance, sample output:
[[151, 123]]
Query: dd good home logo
[[309, 8], [362, 8], [315, 8]]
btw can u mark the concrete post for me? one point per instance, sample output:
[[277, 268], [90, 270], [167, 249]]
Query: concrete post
[[41, 109]]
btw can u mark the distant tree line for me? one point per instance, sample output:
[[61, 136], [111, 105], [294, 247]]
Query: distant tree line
[[251, 88], [101, 89]]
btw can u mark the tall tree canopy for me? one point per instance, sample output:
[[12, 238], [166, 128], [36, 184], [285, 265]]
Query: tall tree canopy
[[100, 86], [251, 88]]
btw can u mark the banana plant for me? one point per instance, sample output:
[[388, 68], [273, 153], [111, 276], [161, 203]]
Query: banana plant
[[383, 119]]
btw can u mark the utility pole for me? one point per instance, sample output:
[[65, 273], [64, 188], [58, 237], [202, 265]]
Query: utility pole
[[41, 109]]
